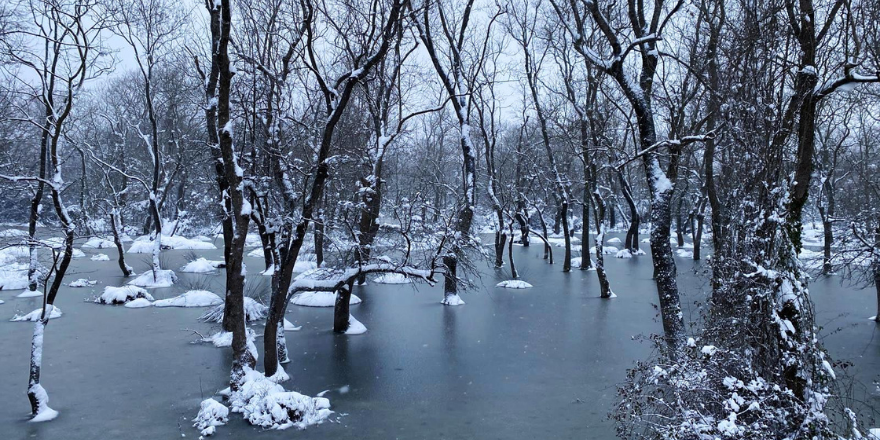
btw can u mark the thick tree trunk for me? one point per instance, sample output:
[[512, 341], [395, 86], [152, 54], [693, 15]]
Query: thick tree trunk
[[341, 311], [586, 262]]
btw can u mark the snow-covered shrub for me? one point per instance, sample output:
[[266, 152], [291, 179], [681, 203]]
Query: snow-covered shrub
[[211, 415], [162, 278], [265, 403], [122, 295], [253, 311]]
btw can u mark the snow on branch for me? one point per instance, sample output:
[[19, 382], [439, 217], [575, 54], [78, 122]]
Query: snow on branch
[[677, 143], [331, 280]]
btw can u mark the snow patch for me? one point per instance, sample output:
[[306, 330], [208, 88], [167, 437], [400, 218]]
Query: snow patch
[[320, 299], [193, 298], [514, 284], [163, 278], [138, 303], [82, 282], [100, 257], [52, 311], [452, 300], [201, 265], [355, 327]]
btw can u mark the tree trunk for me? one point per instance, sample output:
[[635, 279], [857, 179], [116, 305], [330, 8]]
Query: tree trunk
[[116, 226], [341, 310], [604, 285], [586, 262], [513, 273]]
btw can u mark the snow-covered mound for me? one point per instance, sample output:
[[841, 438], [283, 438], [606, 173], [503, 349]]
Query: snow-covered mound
[[193, 298], [624, 253], [211, 415], [514, 284], [163, 278], [201, 265], [29, 294], [614, 240], [78, 254], [13, 276], [98, 243], [355, 327], [52, 311], [392, 278], [100, 257], [253, 311], [122, 295], [576, 262], [12, 233], [253, 240], [452, 300], [143, 245], [319, 299], [138, 303], [684, 253], [10, 253], [82, 282], [44, 413], [606, 250], [265, 403]]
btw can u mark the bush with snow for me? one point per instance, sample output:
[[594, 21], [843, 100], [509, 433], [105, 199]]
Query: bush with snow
[[514, 284], [100, 257], [121, 295], [253, 311], [319, 299], [211, 415], [193, 298], [52, 312], [162, 278], [265, 403]]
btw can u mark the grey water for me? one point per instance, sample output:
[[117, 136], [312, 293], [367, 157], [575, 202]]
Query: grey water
[[539, 363]]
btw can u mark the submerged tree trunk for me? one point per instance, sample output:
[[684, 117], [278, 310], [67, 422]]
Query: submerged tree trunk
[[632, 234], [599, 205], [586, 262], [341, 311], [513, 273], [116, 226]]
